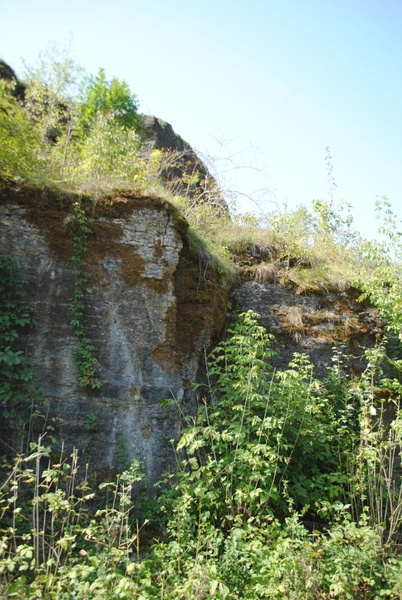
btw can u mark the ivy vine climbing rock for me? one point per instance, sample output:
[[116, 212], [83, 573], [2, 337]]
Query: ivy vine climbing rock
[[19, 393], [83, 353]]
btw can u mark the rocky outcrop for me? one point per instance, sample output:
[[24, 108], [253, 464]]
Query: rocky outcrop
[[151, 310], [312, 324], [160, 136], [183, 171], [153, 307], [7, 73]]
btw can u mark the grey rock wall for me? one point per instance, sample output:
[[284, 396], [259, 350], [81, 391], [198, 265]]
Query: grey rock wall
[[312, 324], [152, 308], [149, 314]]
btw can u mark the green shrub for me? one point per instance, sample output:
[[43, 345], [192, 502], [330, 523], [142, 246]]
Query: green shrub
[[20, 140]]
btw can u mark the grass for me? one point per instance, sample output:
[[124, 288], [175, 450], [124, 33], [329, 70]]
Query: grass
[[265, 251]]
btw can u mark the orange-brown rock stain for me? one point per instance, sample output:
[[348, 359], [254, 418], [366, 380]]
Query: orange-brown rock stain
[[51, 212], [201, 299], [200, 293]]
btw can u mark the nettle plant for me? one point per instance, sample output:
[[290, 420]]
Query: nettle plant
[[55, 542], [262, 446], [268, 442], [381, 281], [270, 452]]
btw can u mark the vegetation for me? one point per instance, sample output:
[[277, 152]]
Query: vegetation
[[20, 139], [19, 394], [287, 485], [83, 353], [71, 129], [100, 96]]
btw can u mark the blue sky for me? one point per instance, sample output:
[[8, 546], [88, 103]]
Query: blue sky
[[265, 84]]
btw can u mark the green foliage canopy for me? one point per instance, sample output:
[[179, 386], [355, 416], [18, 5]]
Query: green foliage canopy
[[84, 132], [109, 98]]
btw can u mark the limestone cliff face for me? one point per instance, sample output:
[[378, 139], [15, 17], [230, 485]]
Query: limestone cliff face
[[151, 309], [312, 324], [308, 321]]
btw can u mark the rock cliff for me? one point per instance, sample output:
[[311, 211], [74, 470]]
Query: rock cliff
[[312, 324], [151, 309], [153, 306], [183, 171], [7, 73]]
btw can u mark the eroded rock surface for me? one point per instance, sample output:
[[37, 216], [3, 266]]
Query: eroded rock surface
[[312, 324], [152, 309], [183, 170], [150, 312]]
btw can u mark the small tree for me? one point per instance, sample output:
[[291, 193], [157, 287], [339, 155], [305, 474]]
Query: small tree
[[111, 99], [108, 156], [52, 90], [108, 131]]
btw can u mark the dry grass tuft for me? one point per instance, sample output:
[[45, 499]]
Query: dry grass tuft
[[292, 320], [294, 317], [266, 272]]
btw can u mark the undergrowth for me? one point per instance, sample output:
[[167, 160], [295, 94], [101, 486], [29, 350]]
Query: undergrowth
[[286, 487]]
